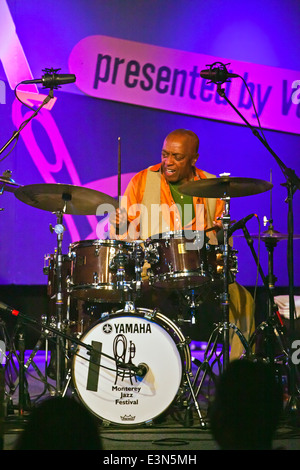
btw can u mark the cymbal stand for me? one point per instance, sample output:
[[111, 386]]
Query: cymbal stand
[[59, 230], [273, 326], [225, 295], [223, 328]]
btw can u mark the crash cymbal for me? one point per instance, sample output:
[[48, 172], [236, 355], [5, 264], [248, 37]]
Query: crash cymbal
[[271, 234], [64, 198], [225, 186]]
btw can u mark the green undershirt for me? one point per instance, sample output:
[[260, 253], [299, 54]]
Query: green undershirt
[[181, 200]]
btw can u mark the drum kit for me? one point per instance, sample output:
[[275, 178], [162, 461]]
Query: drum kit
[[132, 363]]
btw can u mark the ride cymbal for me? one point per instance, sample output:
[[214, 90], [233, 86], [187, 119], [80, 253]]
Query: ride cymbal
[[64, 198], [225, 186]]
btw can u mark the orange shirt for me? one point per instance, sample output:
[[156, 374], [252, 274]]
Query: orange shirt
[[134, 195]]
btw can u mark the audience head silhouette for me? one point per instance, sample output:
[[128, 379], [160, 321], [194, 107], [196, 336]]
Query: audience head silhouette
[[60, 424], [247, 406]]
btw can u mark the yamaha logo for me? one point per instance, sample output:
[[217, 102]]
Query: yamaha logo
[[122, 328], [107, 328]]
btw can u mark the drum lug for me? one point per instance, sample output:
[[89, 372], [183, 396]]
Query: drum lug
[[72, 255], [171, 269], [151, 254], [149, 422], [95, 277], [69, 284], [46, 270], [129, 307], [106, 423], [150, 314]]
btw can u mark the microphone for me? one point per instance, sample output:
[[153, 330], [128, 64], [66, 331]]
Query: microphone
[[141, 369], [8, 309], [218, 74], [240, 224], [51, 79]]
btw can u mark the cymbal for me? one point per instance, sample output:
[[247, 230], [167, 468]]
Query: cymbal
[[64, 198], [225, 186], [271, 234]]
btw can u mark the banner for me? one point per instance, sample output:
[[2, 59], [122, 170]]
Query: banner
[[168, 79]]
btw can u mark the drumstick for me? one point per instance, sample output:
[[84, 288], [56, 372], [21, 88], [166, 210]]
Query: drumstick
[[119, 168]]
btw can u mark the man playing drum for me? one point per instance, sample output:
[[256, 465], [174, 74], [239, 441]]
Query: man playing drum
[[153, 204]]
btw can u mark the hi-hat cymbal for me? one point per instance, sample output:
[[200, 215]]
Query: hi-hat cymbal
[[225, 186], [271, 234], [64, 198]]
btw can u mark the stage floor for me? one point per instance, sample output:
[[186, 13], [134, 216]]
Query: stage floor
[[171, 433]]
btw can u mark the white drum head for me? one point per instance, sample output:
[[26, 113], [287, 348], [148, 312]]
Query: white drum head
[[116, 394]]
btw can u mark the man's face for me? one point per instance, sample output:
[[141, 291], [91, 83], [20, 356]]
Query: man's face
[[178, 156]]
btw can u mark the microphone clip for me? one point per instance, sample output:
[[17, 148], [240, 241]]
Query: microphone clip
[[49, 79], [219, 71]]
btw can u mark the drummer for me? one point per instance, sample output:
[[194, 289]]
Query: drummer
[[157, 187]]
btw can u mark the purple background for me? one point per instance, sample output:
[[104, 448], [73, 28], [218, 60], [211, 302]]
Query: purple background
[[261, 32]]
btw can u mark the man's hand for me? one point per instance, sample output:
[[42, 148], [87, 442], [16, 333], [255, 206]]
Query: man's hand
[[119, 219]]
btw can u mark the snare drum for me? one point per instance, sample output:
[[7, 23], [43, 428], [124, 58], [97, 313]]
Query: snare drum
[[105, 379], [101, 270], [177, 260]]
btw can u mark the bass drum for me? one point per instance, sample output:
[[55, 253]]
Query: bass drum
[[105, 379]]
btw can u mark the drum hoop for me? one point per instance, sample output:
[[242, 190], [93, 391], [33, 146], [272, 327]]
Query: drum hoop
[[100, 242], [104, 286], [180, 275], [175, 234]]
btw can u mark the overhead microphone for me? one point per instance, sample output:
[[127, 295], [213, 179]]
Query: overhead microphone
[[51, 79], [240, 224], [217, 73]]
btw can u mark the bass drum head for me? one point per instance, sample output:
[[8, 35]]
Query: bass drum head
[[117, 394]]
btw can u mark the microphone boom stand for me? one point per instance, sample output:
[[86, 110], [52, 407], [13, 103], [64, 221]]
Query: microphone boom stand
[[16, 133]]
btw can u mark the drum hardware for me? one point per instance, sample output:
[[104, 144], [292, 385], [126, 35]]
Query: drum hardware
[[225, 187], [7, 183], [139, 257], [206, 367], [118, 264], [190, 299], [292, 184], [21, 381], [59, 230], [272, 328]]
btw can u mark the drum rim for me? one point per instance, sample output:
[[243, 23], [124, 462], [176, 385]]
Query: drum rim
[[169, 233], [179, 275], [100, 242]]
